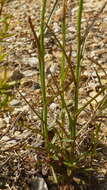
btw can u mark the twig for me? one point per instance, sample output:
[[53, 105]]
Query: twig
[[37, 44], [31, 106]]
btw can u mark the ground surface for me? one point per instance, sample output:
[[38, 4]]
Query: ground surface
[[18, 124]]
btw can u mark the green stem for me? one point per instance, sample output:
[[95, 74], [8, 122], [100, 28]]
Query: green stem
[[63, 56], [51, 13], [78, 63], [42, 70]]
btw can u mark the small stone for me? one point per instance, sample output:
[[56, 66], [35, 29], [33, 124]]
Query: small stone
[[53, 106], [2, 123], [38, 184], [72, 29], [32, 61], [14, 102], [22, 109], [29, 73], [53, 68], [7, 119], [17, 133], [5, 138]]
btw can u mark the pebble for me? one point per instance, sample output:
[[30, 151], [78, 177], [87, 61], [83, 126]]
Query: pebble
[[14, 102], [2, 123], [53, 106], [32, 61], [38, 184], [53, 68], [29, 73], [5, 138], [7, 120]]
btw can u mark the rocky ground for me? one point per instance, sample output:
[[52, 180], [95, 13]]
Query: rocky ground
[[19, 125]]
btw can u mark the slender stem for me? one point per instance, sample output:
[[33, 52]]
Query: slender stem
[[64, 44], [51, 13], [78, 63], [78, 52], [63, 56], [42, 70]]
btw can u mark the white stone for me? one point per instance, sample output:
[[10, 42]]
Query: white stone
[[53, 106], [29, 73], [14, 102], [33, 61], [38, 184], [5, 138]]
